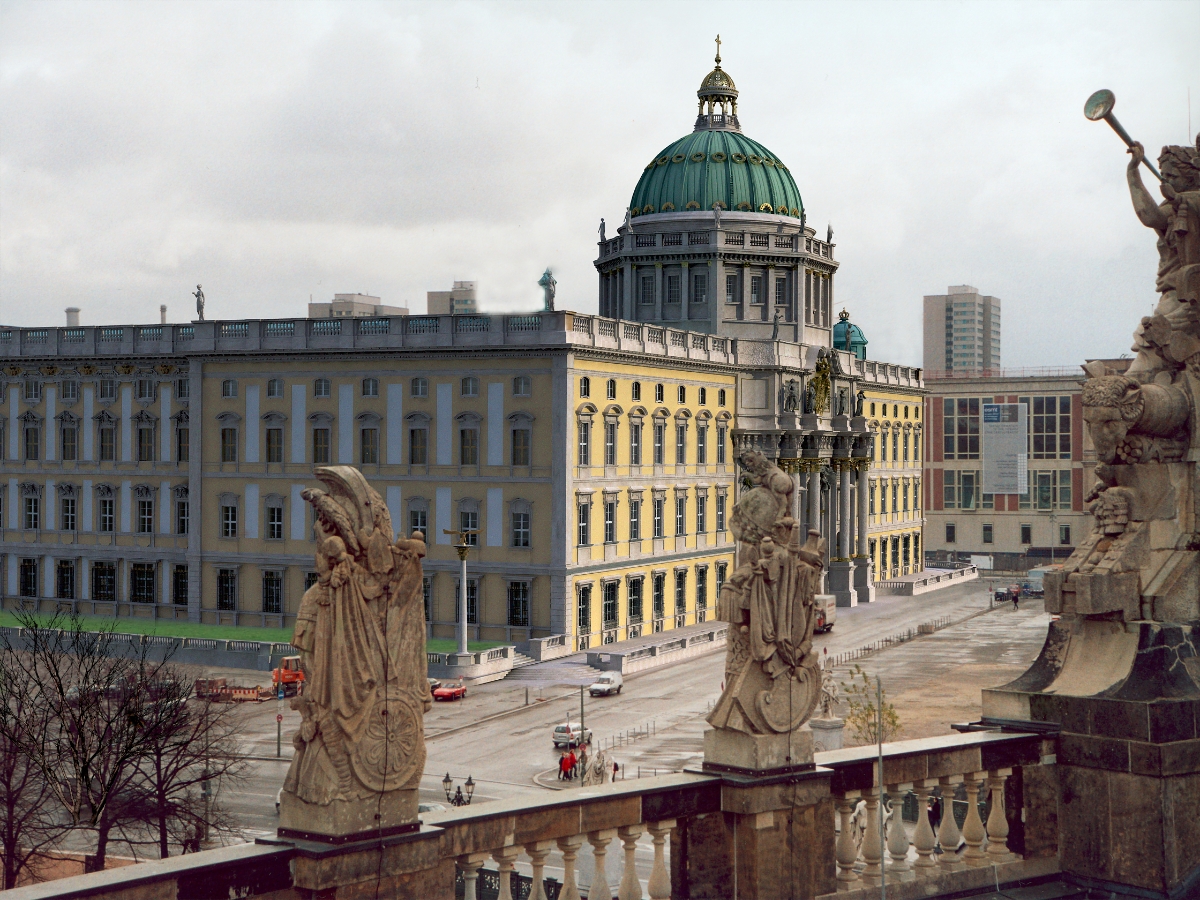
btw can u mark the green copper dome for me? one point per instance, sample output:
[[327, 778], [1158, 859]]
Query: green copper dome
[[706, 168], [716, 165]]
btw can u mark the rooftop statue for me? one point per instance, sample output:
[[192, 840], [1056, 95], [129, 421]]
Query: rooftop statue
[[772, 675], [199, 295], [360, 629], [548, 285]]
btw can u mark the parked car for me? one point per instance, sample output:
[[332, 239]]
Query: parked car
[[434, 684], [453, 691], [568, 735], [430, 807], [607, 683]]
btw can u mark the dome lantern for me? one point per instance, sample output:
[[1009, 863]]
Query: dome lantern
[[849, 337], [717, 100]]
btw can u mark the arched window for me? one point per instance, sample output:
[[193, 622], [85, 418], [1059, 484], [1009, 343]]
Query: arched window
[[321, 388], [585, 386], [703, 396], [681, 391], [658, 393], [370, 387], [611, 389], [228, 389], [637, 390], [721, 397], [275, 388]]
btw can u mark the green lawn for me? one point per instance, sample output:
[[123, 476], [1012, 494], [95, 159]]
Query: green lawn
[[176, 628]]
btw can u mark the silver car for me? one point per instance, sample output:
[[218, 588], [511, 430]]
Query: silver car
[[569, 735]]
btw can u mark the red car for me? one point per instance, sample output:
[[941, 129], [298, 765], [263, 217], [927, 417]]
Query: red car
[[454, 691]]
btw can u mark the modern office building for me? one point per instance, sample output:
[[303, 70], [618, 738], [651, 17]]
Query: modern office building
[[1017, 531], [353, 305], [460, 300], [962, 332], [159, 470]]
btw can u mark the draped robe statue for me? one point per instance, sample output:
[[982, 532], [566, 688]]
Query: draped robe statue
[[360, 750]]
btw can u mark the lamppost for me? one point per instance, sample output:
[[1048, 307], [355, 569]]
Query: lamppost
[[1053, 537], [463, 546], [454, 794]]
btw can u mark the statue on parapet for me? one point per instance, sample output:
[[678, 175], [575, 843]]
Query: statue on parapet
[[549, 287]]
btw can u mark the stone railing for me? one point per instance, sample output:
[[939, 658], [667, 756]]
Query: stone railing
[[910, 587], [670, 649], [479, 667]]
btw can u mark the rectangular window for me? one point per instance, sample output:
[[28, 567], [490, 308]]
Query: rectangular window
[[680, 592], [107, 521], [635, 444], [635, 601], [647, 289], [609, 604], [722, 440], [29, 577], [145, 516], [67, 518], [658, 517], [369, 446], [418, 446], [33, 513], [699, 288], [756, 289], [33, 443], [583, 614], [672, 288], [680, 445], [610, 522], [988, 534], [610, 443], [522, 386], [520, 529], [584, 511], [522, 440], [108, 444], [1049, 427], [1064, 535], [659, 439], [731, 289], [70, 390], [722, 568], [961, 490], [64, 579], [104, 582], [182, 516], [961, 428], [145, 439], [229, 445], [871, 499], [701, 588], [321, 443], [179, 586], [70, 443], [274, 523], [720, 513], [472, 601], [468, 523], [427, 596], [680, 516], [272, 592], [585, 443], [227, 589], [1026, 534], [780, 291], [904, 496], [701, 515], [141, 583], [951, 533], [659, 599], [182, 444], [702, 445], [229, 523], [418, 520], [518, 604], [419, 387], [468, 446], [274, 445]]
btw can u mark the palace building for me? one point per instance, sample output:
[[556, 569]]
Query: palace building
[[158, 470]]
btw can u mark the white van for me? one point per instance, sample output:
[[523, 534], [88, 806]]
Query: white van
[[608, 683]]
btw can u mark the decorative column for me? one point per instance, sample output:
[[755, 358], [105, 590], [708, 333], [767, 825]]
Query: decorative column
[[569, 847], [997, 822], [505, 857], [814, 493], [923, 838], [872, 872], [659, 884], [844, 510], [538, 851], [469, 866], [631, 888], [841, 569], [864, 585], [600, 841], [897, 838], [948, 833], [845, 850], [658, 292], [972, 831]]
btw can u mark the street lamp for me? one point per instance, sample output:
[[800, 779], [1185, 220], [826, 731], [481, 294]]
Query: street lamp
[[463, 546], [454, 795]]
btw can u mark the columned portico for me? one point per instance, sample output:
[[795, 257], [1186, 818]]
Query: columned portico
[[864, 586], [840, 565]]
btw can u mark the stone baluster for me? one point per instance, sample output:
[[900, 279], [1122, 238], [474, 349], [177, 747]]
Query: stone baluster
[[897, 837], [660, 879], [505, 857], [973, 832], [845, 851], [872, 853], [948, 834], [631, 888], [538, 851], [600, 840], [923, 838], [997, 823], [569, 847], [469, 865]]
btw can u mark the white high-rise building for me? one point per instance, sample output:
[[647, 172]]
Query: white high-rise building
[[962, 331]]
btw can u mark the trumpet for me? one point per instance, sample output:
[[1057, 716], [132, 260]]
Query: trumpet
[[1100, 106]]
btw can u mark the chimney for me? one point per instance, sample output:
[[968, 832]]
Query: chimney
[[162, 312], [72, 316]]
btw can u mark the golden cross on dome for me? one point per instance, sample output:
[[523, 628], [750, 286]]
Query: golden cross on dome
[[718, 49]]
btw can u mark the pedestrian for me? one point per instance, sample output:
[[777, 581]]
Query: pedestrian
[[1016, 599], [562, 766], [572, 759], [616, 769], [935, 818]]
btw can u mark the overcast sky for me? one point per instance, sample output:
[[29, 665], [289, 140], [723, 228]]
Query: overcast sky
[[273, 151]]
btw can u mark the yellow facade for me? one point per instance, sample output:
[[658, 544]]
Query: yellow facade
[[895, 510]]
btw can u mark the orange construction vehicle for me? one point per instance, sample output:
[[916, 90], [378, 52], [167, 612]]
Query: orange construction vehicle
[[289, 675]]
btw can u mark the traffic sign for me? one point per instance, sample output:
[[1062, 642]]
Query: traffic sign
[[279, 717]]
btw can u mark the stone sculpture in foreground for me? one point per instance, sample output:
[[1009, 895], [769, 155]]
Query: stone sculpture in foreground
[[360, 630], [772, 674]]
